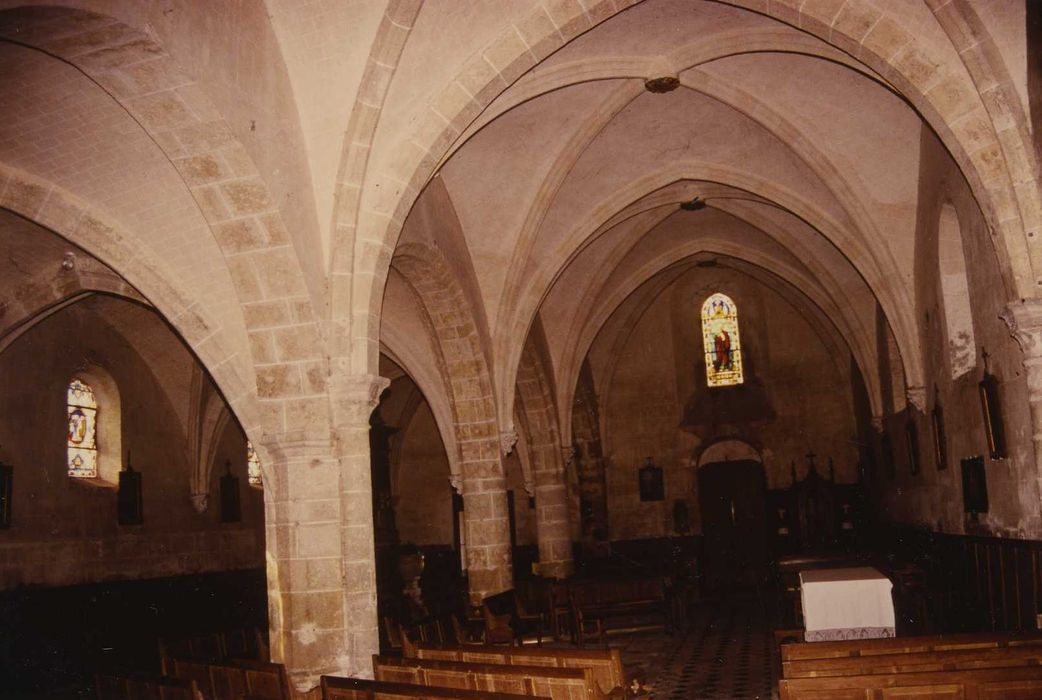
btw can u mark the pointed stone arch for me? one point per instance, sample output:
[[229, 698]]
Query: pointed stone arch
[[75, 220], [149, 85], [535, 396], [474, 410]]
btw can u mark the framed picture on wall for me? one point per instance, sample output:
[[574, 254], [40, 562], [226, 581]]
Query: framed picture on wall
[[129, 509], [886, 455], [991, 407], [650, 481], [912, 443], [940, 440], [6, 487], [974, 486]]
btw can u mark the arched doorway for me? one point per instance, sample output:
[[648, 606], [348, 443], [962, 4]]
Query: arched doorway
[[732, 490]]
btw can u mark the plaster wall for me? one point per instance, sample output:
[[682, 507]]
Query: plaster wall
[[64, 531], [423, 513], [933, 498]]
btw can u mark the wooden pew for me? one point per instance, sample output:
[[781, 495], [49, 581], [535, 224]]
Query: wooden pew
[[605, 664], [335, 688], [596, 603], [555, 683], [914, 662], [1021, 683], [129, 688], [903, 645], [215, 646], [233, 679]]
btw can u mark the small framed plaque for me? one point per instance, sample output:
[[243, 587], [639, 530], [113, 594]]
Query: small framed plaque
[[651, 488]]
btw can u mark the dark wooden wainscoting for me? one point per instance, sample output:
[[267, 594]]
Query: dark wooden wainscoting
[[973, 583], [52, 640]]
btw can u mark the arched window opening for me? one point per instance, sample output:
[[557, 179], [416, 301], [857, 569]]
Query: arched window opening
[[253, 466], [955, 291], [721, 342], [81, 440], [93, 439]]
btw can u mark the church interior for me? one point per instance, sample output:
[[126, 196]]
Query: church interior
[[329, 322]]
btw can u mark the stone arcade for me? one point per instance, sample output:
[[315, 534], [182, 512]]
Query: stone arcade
[[248, 220]]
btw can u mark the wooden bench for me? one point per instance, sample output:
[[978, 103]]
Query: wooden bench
[[914, 662], [1021, 683], [605, 664], [904, 645], [214, 646], [597, 604], [555, 683], [130, 688], [335, 688], [233, 679]]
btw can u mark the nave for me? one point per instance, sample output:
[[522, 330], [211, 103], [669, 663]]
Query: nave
[[399, 307]]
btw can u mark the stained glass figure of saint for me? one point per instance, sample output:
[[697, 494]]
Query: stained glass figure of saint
[[81, 440], [720, 341], [253, 467]]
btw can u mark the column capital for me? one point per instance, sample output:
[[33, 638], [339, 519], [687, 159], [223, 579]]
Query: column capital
[[917, 397], [360, 388], [354, 398], [877, 423], [567, 454], [507, 440], [1024, 319], [456, 481]]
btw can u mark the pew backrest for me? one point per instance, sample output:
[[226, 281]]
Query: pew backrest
[[903, 645], [914, 662], [555, 683], [605, 665], [234, 679], [108, 687], [336, 688], [1023, 683]]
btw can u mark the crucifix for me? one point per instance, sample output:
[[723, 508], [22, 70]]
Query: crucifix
[[810, 462]]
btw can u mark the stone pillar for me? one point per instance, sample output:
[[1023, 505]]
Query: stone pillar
[[1024, 319], [486, 520], [551, 512], [354, 400], [319, 544]]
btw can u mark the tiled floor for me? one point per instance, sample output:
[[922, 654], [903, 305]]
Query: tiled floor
[[726, 654]]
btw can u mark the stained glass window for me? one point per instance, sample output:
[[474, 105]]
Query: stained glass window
[[723, 348], [253, 468], [81, 441]]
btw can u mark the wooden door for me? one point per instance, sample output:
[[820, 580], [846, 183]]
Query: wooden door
[[732, 496]]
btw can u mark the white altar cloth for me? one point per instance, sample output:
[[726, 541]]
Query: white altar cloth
[[854, 603]]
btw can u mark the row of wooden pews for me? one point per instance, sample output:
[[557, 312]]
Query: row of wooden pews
[[436, 671], [492, 673], [996, 666]]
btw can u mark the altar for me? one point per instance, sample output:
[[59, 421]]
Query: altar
[[847, 603]]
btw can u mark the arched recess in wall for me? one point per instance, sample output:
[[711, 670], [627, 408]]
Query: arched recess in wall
[[955, 293], [95, 417], [728, 450]]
